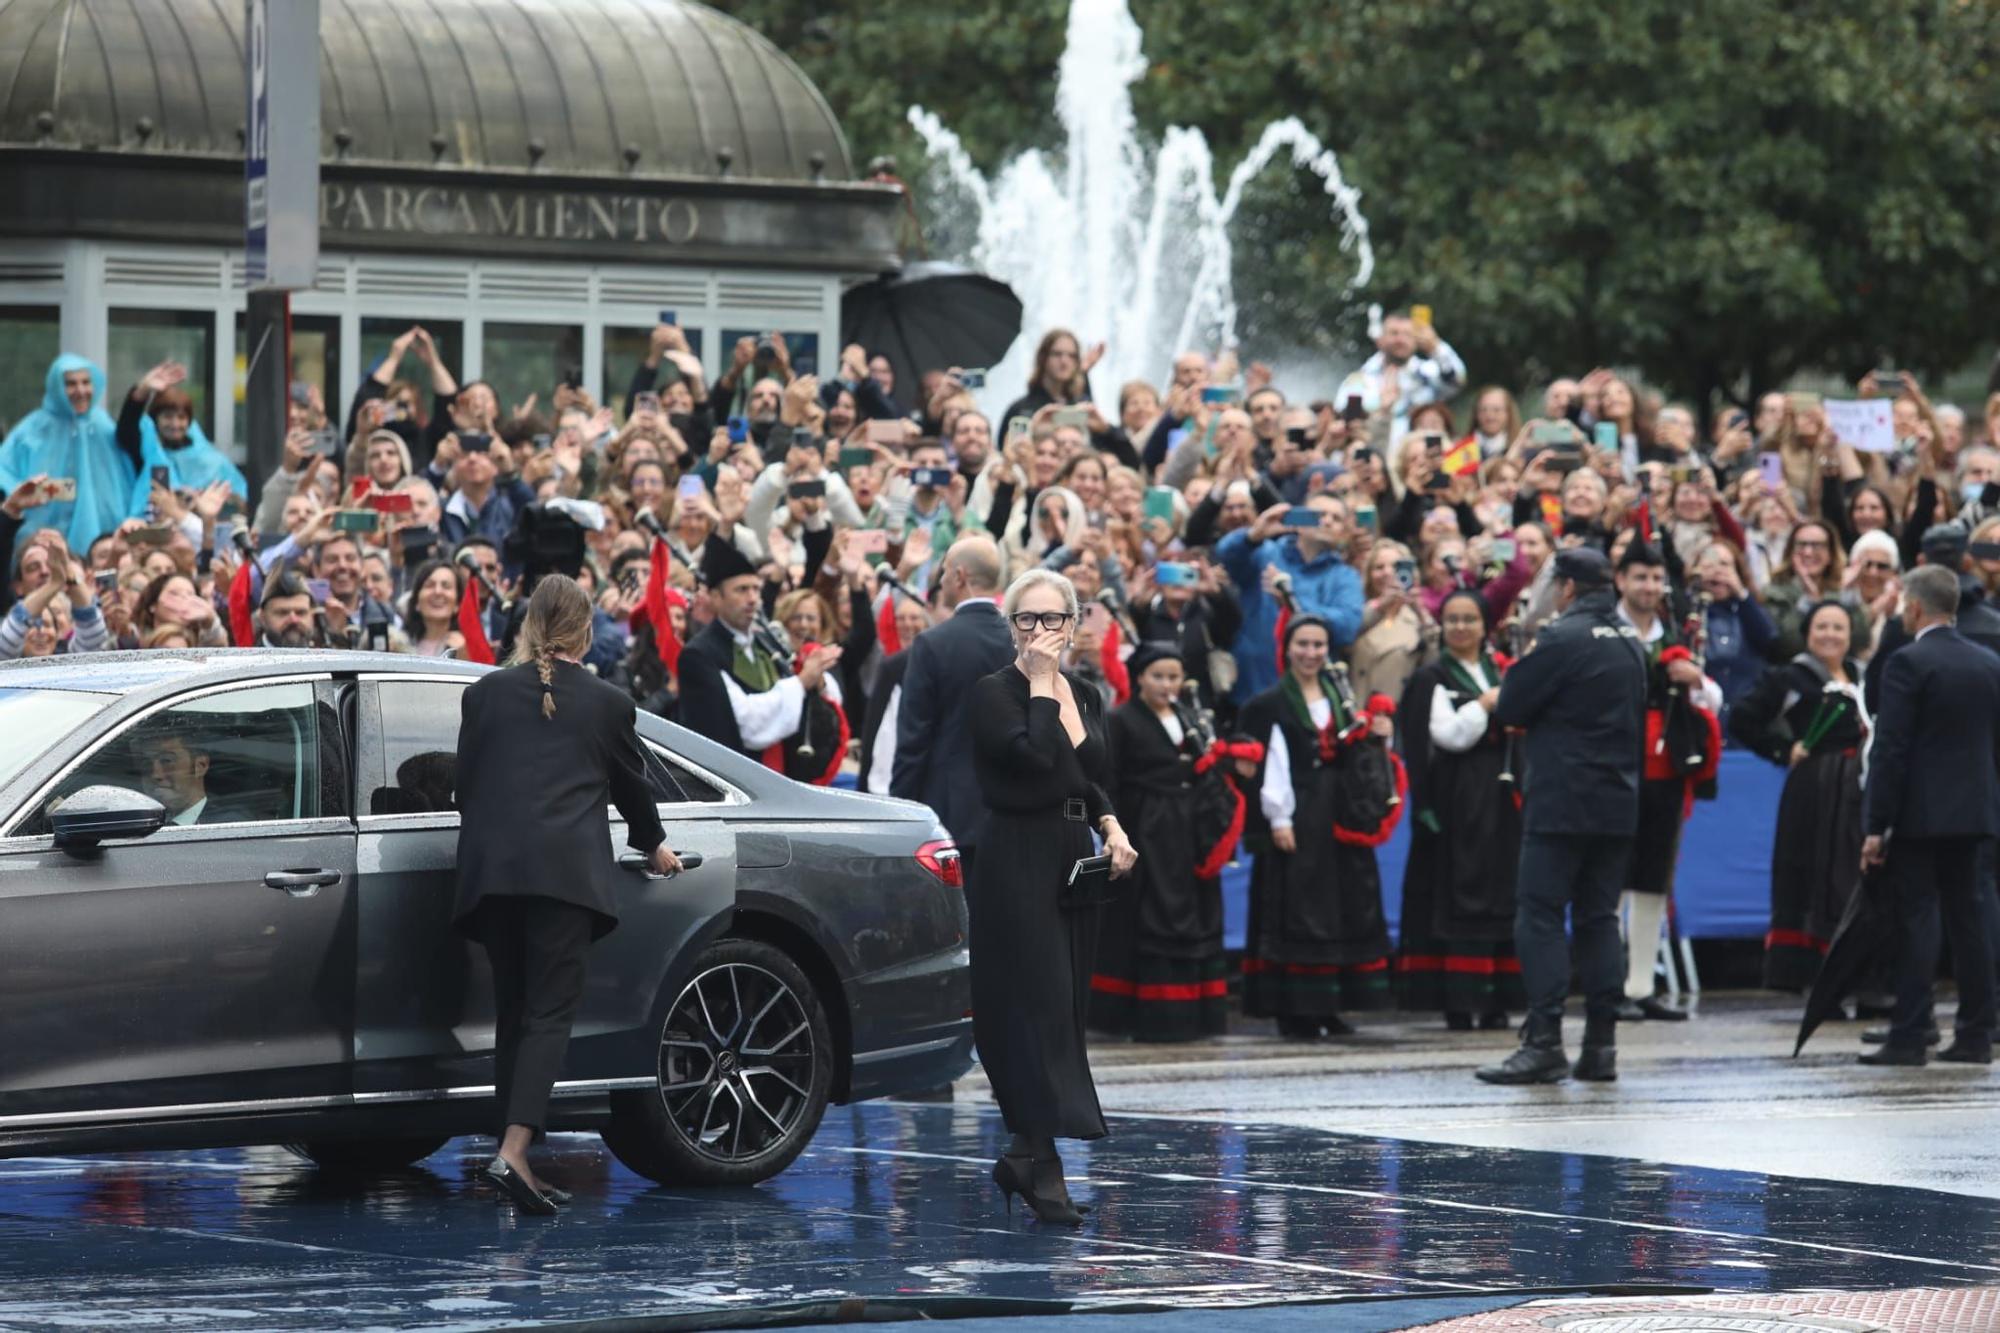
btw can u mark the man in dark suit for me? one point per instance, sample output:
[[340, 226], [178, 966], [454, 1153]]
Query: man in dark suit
[[933, 734], [1580, 695], [1932, 800]]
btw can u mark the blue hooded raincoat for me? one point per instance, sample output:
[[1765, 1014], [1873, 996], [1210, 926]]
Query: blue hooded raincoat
[[194, 465], [55, 440]]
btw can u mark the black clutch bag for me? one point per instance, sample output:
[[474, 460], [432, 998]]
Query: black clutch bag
[[1090, 884]]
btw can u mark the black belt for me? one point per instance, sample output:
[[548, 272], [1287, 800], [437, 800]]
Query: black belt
[[1075, 811]]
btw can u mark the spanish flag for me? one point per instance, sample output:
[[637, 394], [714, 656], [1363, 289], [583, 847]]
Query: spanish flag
[[1463, 458]]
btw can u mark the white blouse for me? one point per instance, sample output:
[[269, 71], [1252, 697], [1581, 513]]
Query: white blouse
[[1276, 797], [1459, 729]]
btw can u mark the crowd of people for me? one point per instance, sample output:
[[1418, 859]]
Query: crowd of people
[[1296, 615]]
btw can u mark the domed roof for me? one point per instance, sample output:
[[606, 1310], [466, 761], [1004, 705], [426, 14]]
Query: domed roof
[[572, 87]]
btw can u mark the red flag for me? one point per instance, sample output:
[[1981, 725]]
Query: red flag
[[885, 626], [1114, 663], [1643, 520], [656, 606], [242, 629], [471, 627], [1284, 623]]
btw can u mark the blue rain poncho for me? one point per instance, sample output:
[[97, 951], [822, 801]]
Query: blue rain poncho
[[55, 440], [196, 464]]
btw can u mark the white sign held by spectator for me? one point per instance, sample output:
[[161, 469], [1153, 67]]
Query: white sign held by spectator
[[1863, 423]]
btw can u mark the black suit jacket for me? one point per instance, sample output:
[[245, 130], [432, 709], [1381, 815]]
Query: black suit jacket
[[532, 791], [1934, 771], [705, 709], [933, 723]]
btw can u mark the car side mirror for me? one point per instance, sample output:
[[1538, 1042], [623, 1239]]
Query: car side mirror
[[85, 818]]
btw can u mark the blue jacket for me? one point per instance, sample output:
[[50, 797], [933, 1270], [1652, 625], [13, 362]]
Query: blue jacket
[[510, 496], [1325, 586], [53, 439]]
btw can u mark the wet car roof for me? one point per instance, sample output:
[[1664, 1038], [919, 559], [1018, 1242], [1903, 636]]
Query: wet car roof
[[132, 672]]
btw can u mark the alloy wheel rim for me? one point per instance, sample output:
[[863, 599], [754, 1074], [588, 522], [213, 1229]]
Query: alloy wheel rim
[[737, 1062]]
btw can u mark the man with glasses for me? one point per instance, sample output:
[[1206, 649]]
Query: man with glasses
[[933, 728]]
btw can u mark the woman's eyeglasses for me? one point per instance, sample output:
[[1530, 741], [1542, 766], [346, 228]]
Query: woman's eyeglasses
[[1029, 621]]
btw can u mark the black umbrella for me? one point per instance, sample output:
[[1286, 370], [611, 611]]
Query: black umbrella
[[931, 316], [1863, 927]]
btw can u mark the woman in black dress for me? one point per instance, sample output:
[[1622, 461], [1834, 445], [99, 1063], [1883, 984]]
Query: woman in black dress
[[543, 748], [1808, 715], [1457, 944], [1318, 942], [1038, 750], [1160, 970]]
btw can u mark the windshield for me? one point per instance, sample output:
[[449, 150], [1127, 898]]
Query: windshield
[[33, 720]]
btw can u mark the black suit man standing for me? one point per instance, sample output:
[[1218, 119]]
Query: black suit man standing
[[933, 733], [1934, 784]]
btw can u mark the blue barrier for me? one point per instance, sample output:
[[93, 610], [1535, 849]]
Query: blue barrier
[[1721, 891]]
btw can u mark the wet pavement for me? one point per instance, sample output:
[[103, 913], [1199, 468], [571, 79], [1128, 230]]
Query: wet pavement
[[893, 1201]]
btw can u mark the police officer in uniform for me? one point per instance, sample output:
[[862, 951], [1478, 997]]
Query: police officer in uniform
[[1580, 696], [734, 688]]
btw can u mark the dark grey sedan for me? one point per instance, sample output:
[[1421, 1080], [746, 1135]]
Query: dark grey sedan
[[225, 886]]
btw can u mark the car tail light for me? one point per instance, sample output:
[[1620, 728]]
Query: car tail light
[[941, 859]]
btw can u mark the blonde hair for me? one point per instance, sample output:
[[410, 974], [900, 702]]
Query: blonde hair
[[558, 623]]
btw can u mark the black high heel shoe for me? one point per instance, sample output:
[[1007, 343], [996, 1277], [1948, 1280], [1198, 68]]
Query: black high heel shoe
[[1013, 1175], [516, 1187]]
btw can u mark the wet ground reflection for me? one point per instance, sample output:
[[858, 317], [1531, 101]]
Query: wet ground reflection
[[895, 1201]]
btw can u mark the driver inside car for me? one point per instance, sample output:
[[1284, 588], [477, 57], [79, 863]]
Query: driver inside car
[[173, 769]]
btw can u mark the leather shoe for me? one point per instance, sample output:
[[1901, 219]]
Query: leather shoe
[[1876, 1036], [1913, 1057], [1963, 1053], [1658, 1011], [516, 1187]]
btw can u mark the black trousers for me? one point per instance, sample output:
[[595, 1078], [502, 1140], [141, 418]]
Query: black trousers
[[1584, 874], [1937, 885], [539, 950]]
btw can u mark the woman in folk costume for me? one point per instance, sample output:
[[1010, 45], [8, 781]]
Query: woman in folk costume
[[1809, 716], [1457, 942], [1160, 973], [1330, 792]]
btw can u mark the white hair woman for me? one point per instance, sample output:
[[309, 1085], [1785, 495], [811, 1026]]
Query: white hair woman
[[1039, 753]]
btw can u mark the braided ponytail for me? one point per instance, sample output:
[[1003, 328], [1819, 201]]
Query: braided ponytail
[[558, 624]]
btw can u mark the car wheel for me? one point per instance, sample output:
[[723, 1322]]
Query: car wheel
[[368, 1156], [742, 1075]]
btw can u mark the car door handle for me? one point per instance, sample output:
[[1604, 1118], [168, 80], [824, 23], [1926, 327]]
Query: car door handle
[[640, 863], [302, 883]]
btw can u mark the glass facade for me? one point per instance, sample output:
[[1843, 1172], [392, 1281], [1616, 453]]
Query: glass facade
[[624, 349], [523, 359], [30, 338], [141, 339]]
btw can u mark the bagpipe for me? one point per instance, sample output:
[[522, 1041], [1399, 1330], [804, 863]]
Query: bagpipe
[[1219, 805], [1684, 742], [1369, 780], [814, 753]]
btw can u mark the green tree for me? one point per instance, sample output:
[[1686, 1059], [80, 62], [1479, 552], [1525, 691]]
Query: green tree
[[1722, 193]]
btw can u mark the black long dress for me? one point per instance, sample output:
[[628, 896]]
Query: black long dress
[[1160, 972], [1816, 848], [1031, 959], [1318, 941], [1456, 950]]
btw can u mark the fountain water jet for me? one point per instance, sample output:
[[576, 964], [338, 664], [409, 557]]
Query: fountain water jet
[[1104, 241]]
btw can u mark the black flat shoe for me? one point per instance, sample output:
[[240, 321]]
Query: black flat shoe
[[1494, 1022], [1965, 1053], [516, 1187], [1457, 1020], [1876, 1036], [1909, 1057]]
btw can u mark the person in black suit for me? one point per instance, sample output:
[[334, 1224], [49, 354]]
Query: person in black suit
[[543, 747], [1932, 801], [735, 690], [933, 735], [878, 732], [1040, 759]]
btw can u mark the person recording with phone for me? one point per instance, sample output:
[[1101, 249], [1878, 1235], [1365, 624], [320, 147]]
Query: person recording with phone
[[488, 493], [1040, 757], [543, 748], [1397, 631], [1295, 550], [1193, 611]]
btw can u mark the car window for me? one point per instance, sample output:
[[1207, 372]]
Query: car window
[[232, 758], [673, 783], [33, 720], [419, 747]]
